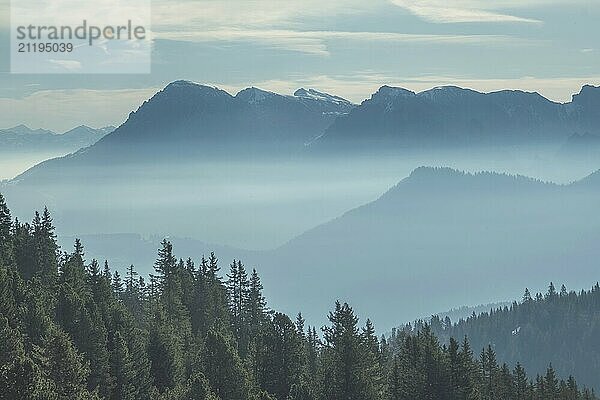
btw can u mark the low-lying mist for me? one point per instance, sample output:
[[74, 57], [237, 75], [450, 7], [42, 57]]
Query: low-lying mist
[[249, 204], [13, 163], [252, 209]]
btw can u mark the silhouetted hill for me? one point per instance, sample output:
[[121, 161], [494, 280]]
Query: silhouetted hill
[[461, 238]]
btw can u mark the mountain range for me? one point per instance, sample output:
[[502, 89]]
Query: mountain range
[[190, 120], [23, 138], [186, 114], [461, 236], [453, 116]]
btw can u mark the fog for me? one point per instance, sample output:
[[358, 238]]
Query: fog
[[251, 209], [247, 204], [13, 163]]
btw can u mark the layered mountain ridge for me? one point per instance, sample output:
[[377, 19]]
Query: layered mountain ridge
[[453, 116], [22, 137], [187, 119]]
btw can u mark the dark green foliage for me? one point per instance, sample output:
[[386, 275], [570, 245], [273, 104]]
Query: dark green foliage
[[223, 367], [558, 327], [71, 330]]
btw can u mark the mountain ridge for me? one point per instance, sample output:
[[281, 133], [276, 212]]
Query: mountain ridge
[[450, 115], [444, 236]]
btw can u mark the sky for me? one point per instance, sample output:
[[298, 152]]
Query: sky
[[345, 47]]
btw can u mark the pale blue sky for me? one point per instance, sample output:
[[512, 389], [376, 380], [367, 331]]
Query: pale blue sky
[[346, 47]]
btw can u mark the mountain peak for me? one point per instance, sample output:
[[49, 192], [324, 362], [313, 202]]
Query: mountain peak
[[320, 96], [589, 88], [185, 87], [427, 172], [393, 92], [23, 129], [447, 92], [587, 92], [186, 83], [254, 95], [20, 127]]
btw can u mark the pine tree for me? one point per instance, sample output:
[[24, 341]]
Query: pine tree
[[372, 363], [117, 285], [165, 264], [343, 377], [66, 367], [300, 324], [122, 368], [520, 383], [551, 291], [527, 296], [166, 356], [238, 288], [198, 388], [223, 368], [46, 249], [20, 376], [458, 374], [551, 384], [6, 249]]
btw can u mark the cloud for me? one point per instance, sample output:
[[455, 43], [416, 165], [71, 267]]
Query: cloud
[[314, 42], [68, 65], [61, 110], [442, 11], [249, 14]]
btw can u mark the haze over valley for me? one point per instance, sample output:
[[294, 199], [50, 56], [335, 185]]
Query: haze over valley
[[271, 178]]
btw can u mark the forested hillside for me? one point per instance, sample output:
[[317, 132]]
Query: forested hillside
[[70, 329], [561, 326]]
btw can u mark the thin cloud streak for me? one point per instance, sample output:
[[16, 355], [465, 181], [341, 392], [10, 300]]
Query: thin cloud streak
[[314, 42], [438, 11]]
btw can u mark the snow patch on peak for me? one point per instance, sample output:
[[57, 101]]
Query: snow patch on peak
[[253, 95], [320, 96]]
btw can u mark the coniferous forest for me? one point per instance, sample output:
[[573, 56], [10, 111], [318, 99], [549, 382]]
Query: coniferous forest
[[559, 326], [72, 329]]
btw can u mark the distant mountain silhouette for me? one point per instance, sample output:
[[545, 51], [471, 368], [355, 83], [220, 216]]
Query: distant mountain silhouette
[[439, 239], [453, 116], [191, 114], [22, 138], [187, 120]]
